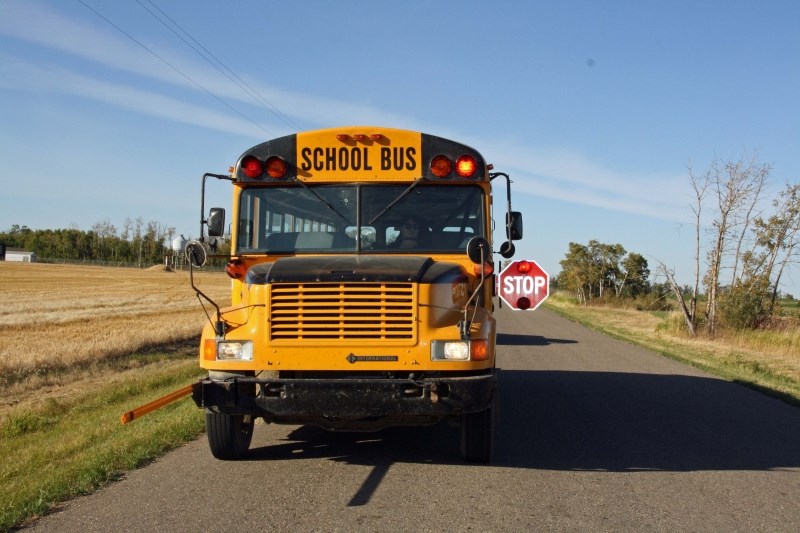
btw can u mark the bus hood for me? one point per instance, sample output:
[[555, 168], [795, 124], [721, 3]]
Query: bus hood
[[355, 268]]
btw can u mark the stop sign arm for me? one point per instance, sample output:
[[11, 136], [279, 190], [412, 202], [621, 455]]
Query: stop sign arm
[[523, 285]]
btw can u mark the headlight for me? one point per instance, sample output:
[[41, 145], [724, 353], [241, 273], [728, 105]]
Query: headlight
[[472, 350], [450, 350], [458, 351], [234, 350]]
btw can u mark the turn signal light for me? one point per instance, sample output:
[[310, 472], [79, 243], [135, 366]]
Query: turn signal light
[[480, 350], [210, 350], [441, 166], [252, 167], [236, 269], [487, 268]]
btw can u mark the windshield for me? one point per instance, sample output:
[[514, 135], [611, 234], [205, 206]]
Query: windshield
[[336, 218]]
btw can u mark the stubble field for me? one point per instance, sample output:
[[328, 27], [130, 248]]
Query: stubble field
[[64, 324]]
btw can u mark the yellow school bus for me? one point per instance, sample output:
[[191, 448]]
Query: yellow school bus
[[362, 288]]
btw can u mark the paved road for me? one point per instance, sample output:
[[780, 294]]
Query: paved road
[[593, 435]]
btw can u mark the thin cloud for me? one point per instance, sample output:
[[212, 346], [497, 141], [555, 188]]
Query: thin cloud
[[111, 49], [57, 80], [565, 175], [558, 174]]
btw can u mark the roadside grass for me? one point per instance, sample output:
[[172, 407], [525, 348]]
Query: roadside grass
[[768, 361], [79, 346], [63, 448]]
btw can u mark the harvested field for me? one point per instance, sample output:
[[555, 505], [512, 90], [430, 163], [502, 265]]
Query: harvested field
[[55, 319]]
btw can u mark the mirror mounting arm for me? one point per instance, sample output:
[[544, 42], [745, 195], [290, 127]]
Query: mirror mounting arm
[[513, 220], [218, 323], [508, 199], [203, 219]]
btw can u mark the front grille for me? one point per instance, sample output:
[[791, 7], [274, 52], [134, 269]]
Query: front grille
[[342, 312]]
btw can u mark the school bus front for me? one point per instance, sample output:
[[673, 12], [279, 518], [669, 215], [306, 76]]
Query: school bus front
[[362, 289]]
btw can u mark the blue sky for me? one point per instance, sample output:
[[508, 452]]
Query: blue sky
[[594, 108]]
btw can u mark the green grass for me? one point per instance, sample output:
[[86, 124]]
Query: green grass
[[65, 448]]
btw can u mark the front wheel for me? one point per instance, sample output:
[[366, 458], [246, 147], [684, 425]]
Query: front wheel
[[477, 434], [229, 436]]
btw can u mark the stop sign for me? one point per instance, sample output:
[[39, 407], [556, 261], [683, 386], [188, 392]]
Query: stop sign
[[523, 285]]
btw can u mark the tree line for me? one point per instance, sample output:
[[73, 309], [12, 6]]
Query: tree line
[[745, 243], [598, 271], [138, 242]]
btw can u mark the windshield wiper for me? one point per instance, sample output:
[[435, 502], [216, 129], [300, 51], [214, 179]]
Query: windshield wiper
[[393, 202], [323, 200]]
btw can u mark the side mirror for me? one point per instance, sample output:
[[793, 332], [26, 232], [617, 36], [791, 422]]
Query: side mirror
[[507, 249], [514, 225], [478, 250], [513, 233], [216, 222], [196, 253]]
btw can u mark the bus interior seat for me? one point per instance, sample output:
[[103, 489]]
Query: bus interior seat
[[306, 240], [450, 240]]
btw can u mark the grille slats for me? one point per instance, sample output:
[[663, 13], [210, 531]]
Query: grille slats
[[343, 312]]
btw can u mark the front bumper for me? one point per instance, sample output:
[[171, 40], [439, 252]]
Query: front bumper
[[315, 400]]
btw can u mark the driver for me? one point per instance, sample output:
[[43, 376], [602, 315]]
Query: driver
[[413, 234]]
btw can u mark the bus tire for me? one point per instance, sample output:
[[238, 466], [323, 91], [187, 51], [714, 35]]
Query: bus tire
[[477, 434], [229, 436]]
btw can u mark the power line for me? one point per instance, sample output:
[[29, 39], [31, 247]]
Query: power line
[[218, 64], [176, 69]]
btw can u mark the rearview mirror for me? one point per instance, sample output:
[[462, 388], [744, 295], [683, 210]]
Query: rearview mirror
[[216, 222], [514, 225]]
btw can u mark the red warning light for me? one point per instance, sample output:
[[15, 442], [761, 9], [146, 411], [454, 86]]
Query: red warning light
[[466, 166], [252, 167]]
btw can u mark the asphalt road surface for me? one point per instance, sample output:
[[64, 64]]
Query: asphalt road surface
[[592, 435]]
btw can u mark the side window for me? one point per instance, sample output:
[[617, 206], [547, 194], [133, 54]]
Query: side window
[[456, 238], [392, 233]]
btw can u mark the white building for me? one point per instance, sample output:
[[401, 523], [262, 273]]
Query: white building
[[15, 254]]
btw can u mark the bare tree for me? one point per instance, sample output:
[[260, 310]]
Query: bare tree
[[679, 296], [779, 238], [738, 187], [699, 186], [754, 177]]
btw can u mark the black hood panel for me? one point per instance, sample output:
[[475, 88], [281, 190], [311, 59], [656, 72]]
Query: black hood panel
[[362, 269]]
